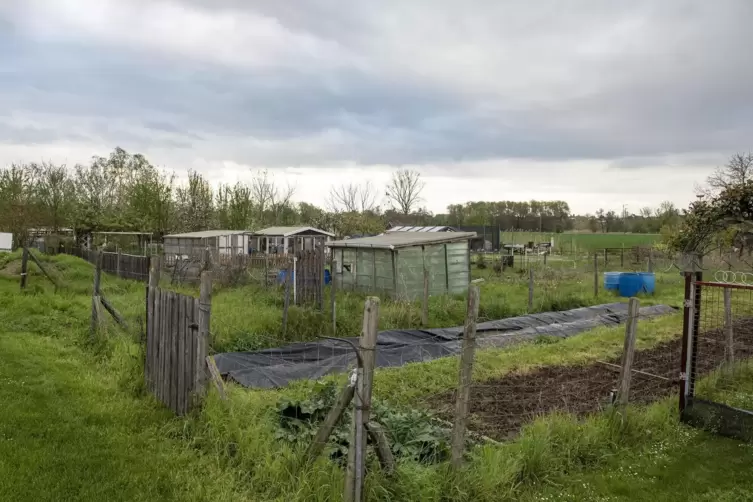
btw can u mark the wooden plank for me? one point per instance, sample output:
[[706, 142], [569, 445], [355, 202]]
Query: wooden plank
[[181, 355], [596, 274], [153, 331], [628, 352], [174, 335], [462, 403], [286, 299], [163, 347]]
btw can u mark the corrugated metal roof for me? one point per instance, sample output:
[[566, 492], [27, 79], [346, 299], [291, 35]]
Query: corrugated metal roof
[[206, 233], [397, 240], [407, 228], [288, 231]]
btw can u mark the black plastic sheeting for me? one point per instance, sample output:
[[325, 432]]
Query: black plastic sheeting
[[312, 360]]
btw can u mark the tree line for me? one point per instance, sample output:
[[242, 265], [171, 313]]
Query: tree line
[[125, 192]]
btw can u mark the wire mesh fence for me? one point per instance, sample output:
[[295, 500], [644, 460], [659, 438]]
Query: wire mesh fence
[[718, 369]]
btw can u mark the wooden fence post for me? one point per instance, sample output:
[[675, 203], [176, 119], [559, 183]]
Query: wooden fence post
[[530, 290], [728, 328], [462, 403], [203, 339], [606, 258], [622, 257], [425, 302], [333, 294], [628, 351], [320, 267], [354, 481], [118, 259], [286, 301], [596, 274], [650, 259], [24, 267], [151, 287], [95, 317]]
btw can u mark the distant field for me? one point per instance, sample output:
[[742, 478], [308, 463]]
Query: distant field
[[585, 242]]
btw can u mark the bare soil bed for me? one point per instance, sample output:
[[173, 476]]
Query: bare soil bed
[[501, 406]]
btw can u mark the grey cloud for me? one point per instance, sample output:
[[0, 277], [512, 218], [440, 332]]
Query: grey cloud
[[682, 84]]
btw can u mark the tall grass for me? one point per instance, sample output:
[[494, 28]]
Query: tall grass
[[228, 449]]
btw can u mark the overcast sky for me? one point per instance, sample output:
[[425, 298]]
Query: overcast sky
[[600, 103]]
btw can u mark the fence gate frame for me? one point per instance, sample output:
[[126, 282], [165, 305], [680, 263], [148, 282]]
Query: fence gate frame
[[715, 417]]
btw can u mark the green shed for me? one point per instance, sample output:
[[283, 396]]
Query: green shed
[[393, 263]]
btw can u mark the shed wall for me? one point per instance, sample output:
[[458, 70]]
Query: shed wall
[[368, 270]]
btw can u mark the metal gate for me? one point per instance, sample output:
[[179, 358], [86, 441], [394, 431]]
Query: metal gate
[[716, 372]]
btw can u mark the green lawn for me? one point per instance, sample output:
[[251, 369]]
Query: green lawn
[[581, 242], [76, 424]]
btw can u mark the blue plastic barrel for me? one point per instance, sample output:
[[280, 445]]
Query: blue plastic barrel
[[649, 282], [281, 276], [327, 276], [630, 284], [612, 280]]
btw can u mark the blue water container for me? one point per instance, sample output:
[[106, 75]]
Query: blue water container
[[612, 280], [649, 282], [630, 284], [327, 276], [281, 276]]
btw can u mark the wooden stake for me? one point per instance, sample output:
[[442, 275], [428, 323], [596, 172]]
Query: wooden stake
[[333, 294], [628, 352], [95, 316], [214, 372], [596, 274], [650, 259], [319, 256], [117, 263], [203, 340], [354, 481], [286, 302], [462, 404], [530, 290], [425, 303], [322, 435], [113, 312], [382, 445], [44, 271], [24, 267], [728, 328]]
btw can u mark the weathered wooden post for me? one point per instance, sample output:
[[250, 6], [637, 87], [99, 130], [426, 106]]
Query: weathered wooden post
[[24, 267], [462, 403], [628, 352], [203, 338], [286, 300], [354, 480], [425, 300], [728, 328], [622, 256], [596, 274], [651, 259], [333, 294], [118, 259], [606, 258], [95, 317]]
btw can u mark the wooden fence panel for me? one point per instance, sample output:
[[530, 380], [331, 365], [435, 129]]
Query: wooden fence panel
[[172, 348]]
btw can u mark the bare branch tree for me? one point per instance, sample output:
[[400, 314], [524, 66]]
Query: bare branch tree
[[404, 190], [352, 198], [737, 171]]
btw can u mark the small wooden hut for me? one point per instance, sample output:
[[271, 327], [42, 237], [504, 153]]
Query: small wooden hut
[[394, 263], [284, 240], [219, 242]]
